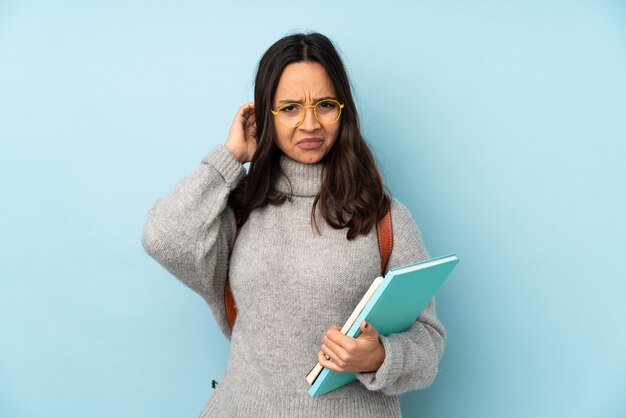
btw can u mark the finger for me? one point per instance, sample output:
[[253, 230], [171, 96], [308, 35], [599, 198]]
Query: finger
[[324, 362], [328, 360], [250, 136], [339, 339], [250, 120], [334, 351], [245, 110], [329, 352], [250, 127]]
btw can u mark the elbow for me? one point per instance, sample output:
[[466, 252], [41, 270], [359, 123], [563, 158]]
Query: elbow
[[149, 235], [420, 379], [439, 338], [171, 247], [159, 236], [426, 374], [417, 380], [429, 373], [156, 238], [150, 242], [428, 378]]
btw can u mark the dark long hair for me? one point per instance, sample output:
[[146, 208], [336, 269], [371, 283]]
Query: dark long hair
[[352, 193]]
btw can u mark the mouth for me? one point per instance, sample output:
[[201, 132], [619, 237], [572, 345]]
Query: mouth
[[310, 140], [310, 143]]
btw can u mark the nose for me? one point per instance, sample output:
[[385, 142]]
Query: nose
[[310, 122]]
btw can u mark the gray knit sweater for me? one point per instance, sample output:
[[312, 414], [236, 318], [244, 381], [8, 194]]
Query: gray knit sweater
[[290, 285]]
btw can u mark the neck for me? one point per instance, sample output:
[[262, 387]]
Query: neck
[[305, 179]]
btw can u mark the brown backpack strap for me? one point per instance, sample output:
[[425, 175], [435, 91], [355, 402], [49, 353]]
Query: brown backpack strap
[[384, 232], [229, 300], [231, 309]]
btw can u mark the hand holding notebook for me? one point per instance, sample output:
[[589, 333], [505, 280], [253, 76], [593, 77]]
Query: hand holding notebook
[[391, 305]]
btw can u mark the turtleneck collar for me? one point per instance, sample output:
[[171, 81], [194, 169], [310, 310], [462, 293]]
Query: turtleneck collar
[[306, 179]]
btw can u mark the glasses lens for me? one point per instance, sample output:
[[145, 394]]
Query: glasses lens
[[290, 114], [328, 111]]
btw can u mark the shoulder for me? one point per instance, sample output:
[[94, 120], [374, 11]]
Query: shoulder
[[398, 207], [400, 215], [408, 243]]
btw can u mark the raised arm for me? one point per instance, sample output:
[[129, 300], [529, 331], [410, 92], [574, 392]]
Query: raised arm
[[191, 230], [411, 357]]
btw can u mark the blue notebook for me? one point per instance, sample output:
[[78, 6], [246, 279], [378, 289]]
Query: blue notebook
[[392, 308]]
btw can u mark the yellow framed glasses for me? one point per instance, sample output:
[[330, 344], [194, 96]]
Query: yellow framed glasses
[[291, 115]]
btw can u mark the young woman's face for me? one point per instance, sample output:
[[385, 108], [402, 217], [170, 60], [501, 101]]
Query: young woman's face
[[305, 83]]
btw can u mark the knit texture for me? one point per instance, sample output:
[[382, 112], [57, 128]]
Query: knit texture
[[290, 285]]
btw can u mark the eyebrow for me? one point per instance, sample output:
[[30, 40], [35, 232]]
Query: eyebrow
[[315, 100]]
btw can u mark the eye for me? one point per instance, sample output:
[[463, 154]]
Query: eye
[[328, 105], [287, 109]]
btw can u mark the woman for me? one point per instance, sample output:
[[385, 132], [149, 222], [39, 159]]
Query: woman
[[307, 250]]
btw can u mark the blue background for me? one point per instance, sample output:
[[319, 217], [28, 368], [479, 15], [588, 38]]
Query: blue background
[[501, 125]]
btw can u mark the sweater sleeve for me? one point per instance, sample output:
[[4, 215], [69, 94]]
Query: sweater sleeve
[[412, 356], [191, 230]]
